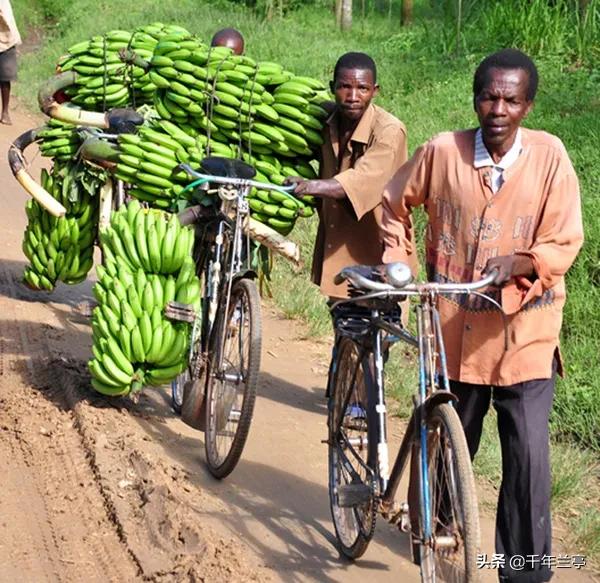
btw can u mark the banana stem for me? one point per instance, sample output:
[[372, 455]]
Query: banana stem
[[66, 113], [17, 164]]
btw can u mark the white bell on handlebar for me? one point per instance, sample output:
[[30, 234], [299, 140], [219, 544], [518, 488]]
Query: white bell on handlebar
[[398, 274]]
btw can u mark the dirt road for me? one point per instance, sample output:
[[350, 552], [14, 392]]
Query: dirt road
[[101, 490]]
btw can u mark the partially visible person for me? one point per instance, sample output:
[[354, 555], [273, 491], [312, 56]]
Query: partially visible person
[[499, 198], [364, 146], [229, 37], [9, 39]]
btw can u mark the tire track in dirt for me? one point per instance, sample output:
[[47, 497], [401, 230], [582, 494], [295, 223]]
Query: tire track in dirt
[[56, 507], [101, 509]]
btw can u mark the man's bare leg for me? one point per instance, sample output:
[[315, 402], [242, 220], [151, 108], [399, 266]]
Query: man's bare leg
[[5, 92]]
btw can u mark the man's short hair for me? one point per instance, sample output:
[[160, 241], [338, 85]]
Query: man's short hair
[[355, 61], [506, 59]]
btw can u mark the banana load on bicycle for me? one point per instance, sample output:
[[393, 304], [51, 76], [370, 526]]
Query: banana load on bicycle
[[193, 100], [205, 100]]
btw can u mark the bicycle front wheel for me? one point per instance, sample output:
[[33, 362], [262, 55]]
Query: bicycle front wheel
[[351, 453], [451, 552], [231, 389]]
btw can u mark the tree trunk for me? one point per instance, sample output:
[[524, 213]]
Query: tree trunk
[[346, 14], [407, 12], [338, 13]]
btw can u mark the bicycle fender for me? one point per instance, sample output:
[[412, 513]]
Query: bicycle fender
[[438, 398], [248, 273]]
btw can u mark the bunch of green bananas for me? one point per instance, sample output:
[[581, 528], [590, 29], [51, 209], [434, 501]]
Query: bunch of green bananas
[[104, 81], [148, 160], [235, 100], [58, 140], [147, 263], [61, 248], [277, 210]]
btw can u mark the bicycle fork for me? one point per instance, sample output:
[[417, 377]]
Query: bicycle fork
[[380, 409]]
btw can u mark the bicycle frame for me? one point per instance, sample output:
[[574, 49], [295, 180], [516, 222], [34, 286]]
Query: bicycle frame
[[228, 261], [432, 365]]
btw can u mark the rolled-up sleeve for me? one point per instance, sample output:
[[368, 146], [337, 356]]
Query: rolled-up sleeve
[[365, 182], [407, 189], [558, 239]]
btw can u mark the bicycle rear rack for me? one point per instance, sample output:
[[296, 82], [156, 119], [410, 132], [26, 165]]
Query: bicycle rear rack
[[180, 312]]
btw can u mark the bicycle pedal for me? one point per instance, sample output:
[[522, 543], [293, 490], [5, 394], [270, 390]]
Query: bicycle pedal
[[180, 312], [350, 495], [404, 523]]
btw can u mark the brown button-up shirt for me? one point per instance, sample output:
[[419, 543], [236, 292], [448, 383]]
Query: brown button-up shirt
[[536, 212], [349, 229]]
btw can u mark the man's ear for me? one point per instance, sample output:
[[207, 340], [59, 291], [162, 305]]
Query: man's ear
[[529, 109], [376, 90], [332, 86]]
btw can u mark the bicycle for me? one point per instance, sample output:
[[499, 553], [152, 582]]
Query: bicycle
[[216, 393], [441, 515]]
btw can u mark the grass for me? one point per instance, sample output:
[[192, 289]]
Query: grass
[[429, 87]]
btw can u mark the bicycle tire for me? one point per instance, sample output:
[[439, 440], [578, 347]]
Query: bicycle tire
[[177, 385], [354, 525], [452, 485], [220, 401]]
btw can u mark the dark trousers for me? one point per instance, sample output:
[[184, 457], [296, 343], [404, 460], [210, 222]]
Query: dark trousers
[[523, 526]]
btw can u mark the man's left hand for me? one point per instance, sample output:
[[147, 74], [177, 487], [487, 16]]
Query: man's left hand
[[509, 266]]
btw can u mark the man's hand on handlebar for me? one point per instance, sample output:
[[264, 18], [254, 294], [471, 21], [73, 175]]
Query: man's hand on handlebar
[[330, 188], [508, 267]]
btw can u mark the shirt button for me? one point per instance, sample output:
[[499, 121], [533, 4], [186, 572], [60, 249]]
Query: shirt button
[[490, 205], [328, 245], [331, 226], [334, 205], [468, 327]]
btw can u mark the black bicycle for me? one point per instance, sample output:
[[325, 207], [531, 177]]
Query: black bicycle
[[441, 515]]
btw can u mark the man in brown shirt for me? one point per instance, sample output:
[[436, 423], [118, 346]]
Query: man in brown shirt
[[364, 146], [501, 198]]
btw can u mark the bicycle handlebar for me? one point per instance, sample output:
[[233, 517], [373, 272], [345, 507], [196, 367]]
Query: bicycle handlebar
[[203, 178], [397, 278]]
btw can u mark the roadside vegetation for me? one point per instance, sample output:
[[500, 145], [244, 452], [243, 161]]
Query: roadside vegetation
[[425, 72]]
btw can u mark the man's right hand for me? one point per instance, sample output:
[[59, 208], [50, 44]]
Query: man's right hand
[[320, 188], [296, 181]]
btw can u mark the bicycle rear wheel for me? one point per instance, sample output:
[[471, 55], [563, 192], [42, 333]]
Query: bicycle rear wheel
[[231, 391], [451, 553], [351, 453], [177, 385]]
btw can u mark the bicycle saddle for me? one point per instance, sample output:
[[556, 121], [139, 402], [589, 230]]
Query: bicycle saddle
[[124, 121], [227, 168]]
